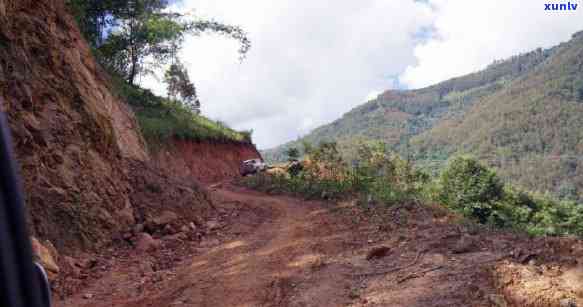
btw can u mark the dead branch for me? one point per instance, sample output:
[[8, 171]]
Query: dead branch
[[419, 274]]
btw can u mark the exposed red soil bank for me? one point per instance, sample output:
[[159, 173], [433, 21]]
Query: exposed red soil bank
[[207, 162], [71, 134], [91, 187]]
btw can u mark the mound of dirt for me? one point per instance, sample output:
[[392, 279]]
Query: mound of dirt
[[161, 199]]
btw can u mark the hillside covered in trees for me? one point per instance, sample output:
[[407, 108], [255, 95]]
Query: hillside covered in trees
[[522, 116]]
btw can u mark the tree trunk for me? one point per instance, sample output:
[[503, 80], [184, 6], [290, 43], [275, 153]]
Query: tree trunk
[[134, 69]]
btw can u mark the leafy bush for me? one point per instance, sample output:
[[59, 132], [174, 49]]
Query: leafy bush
[[474, 190], [470, 187], [379, 176], [465, 186], [385, 176], [292, 153], [539, 214]]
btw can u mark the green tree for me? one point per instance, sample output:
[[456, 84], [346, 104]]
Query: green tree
[[292, 153], [568, 191], [578, 89], [94, 17], [470, 187], [180, 87], [141, 35], [327, 152], [308, 147]]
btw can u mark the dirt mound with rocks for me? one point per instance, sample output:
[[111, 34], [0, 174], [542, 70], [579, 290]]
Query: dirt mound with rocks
[[164, 204]]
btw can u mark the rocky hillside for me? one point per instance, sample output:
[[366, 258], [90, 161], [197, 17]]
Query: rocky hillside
[[514, 112], [88, 175], [71, 134]]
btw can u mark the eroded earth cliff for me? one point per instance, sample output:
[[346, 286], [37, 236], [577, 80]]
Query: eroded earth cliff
[[88, 177]]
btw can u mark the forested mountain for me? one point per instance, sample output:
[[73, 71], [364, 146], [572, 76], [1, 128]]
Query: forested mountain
[[523, 115]]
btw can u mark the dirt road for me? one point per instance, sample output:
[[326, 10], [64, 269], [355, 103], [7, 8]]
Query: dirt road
[[265, 267], [281, 251]]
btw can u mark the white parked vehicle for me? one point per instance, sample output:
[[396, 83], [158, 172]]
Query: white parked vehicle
[[253, 166]]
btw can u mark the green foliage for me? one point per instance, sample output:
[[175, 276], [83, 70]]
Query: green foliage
[[378, 176], [395, 117], [179, 85], [470, 187], [538, 214], [385, 176], [292, 153], [327, 153], [141, 30], [530, 131], [465, 186], [578, 89], [567, 191], [474, 190], [522, 116], [93, 17], [163, 119], [143, 33], [308, 147], [131, 38]]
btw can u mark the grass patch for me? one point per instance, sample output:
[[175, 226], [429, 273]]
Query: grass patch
[[161, 119]]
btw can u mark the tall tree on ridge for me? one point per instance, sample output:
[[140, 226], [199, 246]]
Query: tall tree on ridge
[[134, 37]]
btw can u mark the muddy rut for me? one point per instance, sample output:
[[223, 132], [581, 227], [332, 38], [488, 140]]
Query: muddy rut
[[282, 251]]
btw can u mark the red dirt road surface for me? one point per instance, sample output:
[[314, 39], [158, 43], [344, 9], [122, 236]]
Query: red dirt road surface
[[282, 251]]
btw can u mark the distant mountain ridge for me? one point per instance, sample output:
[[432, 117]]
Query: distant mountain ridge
[[523, 110]]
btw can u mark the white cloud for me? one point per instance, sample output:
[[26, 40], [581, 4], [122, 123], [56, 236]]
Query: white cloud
[[469, 35], [313, 60]]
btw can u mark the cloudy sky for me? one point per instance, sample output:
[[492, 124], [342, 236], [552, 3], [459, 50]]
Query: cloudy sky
[[313, 60]]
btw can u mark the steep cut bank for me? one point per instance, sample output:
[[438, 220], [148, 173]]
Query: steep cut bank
[[89, 179], [71, 134], [205, 162]]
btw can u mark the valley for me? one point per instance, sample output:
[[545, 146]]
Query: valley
[[513, 115]]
